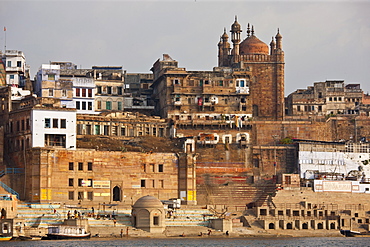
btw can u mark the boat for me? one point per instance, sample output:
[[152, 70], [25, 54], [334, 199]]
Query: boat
[[5, 238], [67, 232], [351, 233]]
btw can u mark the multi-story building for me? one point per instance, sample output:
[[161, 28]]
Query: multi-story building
[[49, 84], [138, 93], [84, 95], [331, 97], [16, 69], [109, 81]]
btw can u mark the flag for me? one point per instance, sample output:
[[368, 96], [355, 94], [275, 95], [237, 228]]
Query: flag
[[4, 29]]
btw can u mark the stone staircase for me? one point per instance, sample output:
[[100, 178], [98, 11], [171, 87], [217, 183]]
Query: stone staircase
[[234, 194], [39, 215], [190, 216]]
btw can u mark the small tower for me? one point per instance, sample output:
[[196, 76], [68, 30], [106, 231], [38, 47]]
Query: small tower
[[235, 38], [223, 50], [278, 38], [272, 46]]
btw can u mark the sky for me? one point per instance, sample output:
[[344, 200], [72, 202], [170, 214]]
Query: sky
[[322, 40]]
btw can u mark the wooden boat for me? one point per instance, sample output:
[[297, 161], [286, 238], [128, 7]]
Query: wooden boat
[[3, 238], [67, 232], [350, 233]]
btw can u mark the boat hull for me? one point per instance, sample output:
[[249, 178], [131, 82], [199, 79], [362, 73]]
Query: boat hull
[[5, 238], [53, 236]]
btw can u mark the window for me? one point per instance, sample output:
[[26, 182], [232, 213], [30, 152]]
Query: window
[[119, 105], [63, 123], [55, 123], [51, 92], [80, 195], [11, 76], [156, 220], [89, 166], [99, 105], [90, 195], [78, 92], [108, 105], [161, 183], [298, 108], [151, 168], [142, 183], [89, 92], [19, 64], [119, 90], [47, 123], [89, 105], [80, 181], [84, 92], [71, 195], [106, 130], [220, 83], [176, 81], [70, 166], [83, 105], [64, 93], [80, 166], [109, 90], [98, 89], [78, 107], [51, 77], [160, 168], [70, 182], [9, 64], [123, 131]]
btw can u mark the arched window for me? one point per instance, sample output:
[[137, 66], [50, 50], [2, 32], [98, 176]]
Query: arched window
[[116, 194], [289, 226], [304, 226]]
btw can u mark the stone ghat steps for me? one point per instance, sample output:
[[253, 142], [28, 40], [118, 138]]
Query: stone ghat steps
[[42, 215], [234, 194], [190, 217]]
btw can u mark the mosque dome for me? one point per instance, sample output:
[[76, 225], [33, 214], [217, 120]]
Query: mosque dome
[[253, 45], [148, 202]]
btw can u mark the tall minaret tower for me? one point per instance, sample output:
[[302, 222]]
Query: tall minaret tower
[[235, 38], [223, 50]]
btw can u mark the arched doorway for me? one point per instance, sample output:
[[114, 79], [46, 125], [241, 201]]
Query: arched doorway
[[304, 226], [332, 226], [271, 226], [320, 226], [116, 194], [289, 226]]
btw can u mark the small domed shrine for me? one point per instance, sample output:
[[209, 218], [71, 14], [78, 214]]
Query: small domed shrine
[[148, 214]]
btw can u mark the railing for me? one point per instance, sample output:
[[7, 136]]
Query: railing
[[8, 189], [11, 171]]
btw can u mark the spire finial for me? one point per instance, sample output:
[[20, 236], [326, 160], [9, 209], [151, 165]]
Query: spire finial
[[236, 17], [252, 30], [248, 31]]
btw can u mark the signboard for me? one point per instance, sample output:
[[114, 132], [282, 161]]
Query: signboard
[[337, 186], [101, 184]]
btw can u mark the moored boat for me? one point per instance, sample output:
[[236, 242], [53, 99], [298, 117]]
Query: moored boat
[[5, 238], [67, 232]]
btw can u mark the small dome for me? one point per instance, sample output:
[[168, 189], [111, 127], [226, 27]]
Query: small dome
[[235, 26], [225, 36], [148, 202], [252, 45]]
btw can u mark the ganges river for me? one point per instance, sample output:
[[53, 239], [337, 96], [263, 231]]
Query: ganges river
[[316, 241]]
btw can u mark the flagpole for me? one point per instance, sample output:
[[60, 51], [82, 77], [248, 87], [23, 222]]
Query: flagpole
[[5, 39]]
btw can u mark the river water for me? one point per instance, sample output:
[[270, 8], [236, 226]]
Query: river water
[[322, 242]]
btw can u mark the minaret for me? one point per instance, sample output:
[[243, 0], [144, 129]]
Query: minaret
[[272, 46], [278, 38], [235, 38], [223, 50]]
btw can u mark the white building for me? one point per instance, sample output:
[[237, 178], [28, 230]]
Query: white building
[[84, 95], [53, 127], [334, 161], [15, 67]]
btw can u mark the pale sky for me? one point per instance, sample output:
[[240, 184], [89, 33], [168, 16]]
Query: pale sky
[[321, 39]]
